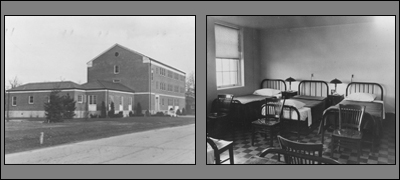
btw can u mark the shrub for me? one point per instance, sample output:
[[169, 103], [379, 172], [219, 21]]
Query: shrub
[[178, 112], [103, 110], [131, 114], [138, 109], [111, 112], [120, 114], [159, 114], [183, 111], [147, 113]]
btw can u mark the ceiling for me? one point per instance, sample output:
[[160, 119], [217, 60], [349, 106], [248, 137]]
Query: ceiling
[[279, 22]]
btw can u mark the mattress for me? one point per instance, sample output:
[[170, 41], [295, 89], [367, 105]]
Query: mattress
[[316, 104], [252, 98], [375, 108], [305, 114]]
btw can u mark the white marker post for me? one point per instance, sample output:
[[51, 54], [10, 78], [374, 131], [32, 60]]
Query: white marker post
[[41, 137]]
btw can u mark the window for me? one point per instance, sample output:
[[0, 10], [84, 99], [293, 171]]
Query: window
[[170, 102], [131, 101], [183, 78], [116, 54], [176, 89], [162, 101], [80, 98], [151, 73], [30, 100], [116, 81], [182, 90], [46, 99], [170, 74], [176, 76], [14, 101], [176, 102], [169, 87], [156, 70], [116, 70], [156, 84], [92, 99], [228, 56]]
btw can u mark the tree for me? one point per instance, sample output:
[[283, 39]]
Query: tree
[[112, 110], [68, 107], [103, 110], [190, 92], [54, 108], [14, 82], [138, 109]]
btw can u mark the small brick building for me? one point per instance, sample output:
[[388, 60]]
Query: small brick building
[[118, 75]]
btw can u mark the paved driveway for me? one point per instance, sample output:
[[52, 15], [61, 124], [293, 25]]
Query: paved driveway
[[174, 145]]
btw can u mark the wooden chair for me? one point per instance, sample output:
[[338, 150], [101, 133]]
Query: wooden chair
[[269, 122], [348, 134], [219, 146], [219, 118], [290, 158], [302, 148]]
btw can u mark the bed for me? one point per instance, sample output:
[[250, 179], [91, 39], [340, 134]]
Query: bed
[[247, 107], [313, 94], [366, 94]]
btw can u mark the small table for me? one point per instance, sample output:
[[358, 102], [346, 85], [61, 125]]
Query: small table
[[215, 123], [334, 99], [288, 94]]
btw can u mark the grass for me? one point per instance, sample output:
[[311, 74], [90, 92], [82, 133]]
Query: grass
[[24, 135]]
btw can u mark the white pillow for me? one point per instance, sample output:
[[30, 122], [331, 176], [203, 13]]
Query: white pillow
[[294, 103], [266, 92], [365, 97]]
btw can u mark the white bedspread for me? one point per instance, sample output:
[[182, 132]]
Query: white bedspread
[[305, 112]]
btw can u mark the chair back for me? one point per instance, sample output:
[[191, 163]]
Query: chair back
[[302, 148], [223, 103], [273, 108], [306, 159], [350, 116]]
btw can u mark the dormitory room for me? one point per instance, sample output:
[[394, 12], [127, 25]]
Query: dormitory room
[[301, 90]]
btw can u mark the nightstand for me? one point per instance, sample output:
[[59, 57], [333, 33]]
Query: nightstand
[[288, 94], [334, 99]]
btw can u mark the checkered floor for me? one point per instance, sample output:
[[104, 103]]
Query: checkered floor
[[384, 152]]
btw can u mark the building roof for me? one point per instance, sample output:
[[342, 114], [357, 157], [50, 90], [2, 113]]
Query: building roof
[[47, 86], [136, 53], [95, 85]]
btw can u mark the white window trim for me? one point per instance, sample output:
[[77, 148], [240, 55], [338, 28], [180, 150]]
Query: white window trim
[[29, 100], [241, 60], [115, 69], [12, 101], [81, 101]]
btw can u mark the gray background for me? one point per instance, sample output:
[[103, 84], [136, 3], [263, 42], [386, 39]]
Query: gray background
[[200, 9]]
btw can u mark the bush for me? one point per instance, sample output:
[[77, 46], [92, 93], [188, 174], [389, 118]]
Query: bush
[[103, 110], [147, 113], [138, 109], [183, 111], [93, 116], [159, 114], [131, 114], [178, 112], [120, 114], [111, 112]]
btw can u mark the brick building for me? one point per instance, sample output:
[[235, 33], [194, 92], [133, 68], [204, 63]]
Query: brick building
[[118, 75]]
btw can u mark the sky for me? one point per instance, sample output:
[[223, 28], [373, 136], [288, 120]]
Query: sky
[[57, 48]]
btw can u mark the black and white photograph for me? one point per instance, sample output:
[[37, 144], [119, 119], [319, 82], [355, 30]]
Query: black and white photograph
[[100, 90], [301, 90]]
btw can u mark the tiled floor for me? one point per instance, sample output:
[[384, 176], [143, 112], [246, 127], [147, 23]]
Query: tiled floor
[[384, 152]]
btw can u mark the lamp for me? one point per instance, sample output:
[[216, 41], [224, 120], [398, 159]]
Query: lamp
[[336, 81], [290, 79]]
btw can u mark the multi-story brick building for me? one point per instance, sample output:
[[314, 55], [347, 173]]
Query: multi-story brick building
[[118, 75]]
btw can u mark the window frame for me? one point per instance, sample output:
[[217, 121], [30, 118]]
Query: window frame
[[240, 68], [81, 100], [29, 100], [116, 67], [13, 102]]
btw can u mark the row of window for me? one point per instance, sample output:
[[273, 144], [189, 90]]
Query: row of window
[[169, 102], [30, 100], [170, 74], [170, 87]]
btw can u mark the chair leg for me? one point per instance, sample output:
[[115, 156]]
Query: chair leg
[[332, 146], [252, 136], [271, 142], [231, 156], [358, 151]]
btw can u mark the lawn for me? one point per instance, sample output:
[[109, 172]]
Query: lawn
[[25, 135]]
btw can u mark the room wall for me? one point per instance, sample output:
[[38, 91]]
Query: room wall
[[251, 58], [366, 50]]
